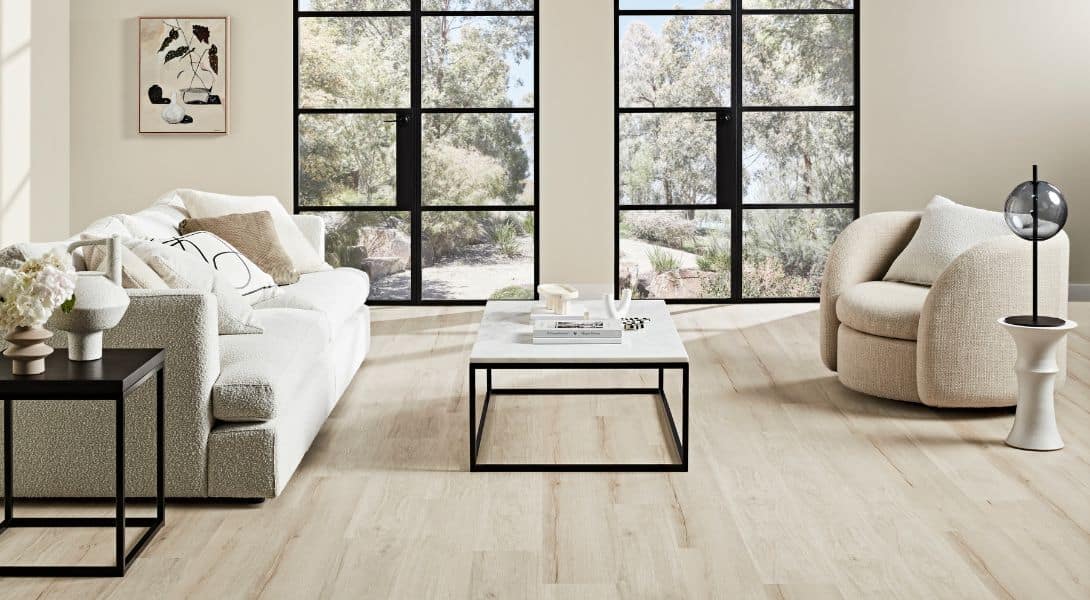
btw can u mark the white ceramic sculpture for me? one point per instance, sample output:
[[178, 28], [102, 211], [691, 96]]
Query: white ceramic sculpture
[[557, 296], [100, 304], [1035, 418], [618, 311]]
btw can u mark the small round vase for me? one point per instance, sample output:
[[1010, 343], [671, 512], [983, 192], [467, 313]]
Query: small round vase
[[27, 349], [100, 304]]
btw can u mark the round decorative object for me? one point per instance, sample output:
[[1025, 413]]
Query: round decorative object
[[28, 349], [1051, 210], [100, 304]]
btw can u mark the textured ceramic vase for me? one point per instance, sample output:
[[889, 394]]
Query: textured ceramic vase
[[27, 349], [100, 304], [1035, 417]]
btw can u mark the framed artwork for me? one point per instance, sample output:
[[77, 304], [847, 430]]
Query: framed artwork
[[183, 77]]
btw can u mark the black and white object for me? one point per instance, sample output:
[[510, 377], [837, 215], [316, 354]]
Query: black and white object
[[254, 284], [635, 323]]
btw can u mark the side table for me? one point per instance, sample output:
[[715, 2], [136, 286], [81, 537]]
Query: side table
[[1035, 417], [113, 377]]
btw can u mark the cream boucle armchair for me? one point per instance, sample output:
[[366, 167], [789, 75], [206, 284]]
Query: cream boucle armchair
[[940, 346]]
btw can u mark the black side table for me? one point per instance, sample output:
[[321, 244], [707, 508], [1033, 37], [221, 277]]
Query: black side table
[[113, 377]]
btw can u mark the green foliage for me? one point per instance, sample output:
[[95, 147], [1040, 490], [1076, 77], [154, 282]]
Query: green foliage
[[714, 255], [67, 305], [505, 238], [512, 292], [662, 260], [345, 232], [447, 234]]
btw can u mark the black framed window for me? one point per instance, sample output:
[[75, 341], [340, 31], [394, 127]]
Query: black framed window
[[416, 141], [737, 137]]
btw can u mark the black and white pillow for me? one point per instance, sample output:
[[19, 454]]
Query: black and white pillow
[[254, 284]]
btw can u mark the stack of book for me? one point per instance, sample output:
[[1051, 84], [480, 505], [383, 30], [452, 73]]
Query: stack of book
[[577, 331]]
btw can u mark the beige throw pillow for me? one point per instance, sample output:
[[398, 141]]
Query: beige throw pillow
[[947, 229], [304, 257], [254, 235], [135, 273]]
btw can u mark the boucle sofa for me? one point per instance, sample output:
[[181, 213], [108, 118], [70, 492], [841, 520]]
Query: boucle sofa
[[938, 345], [242, 410]]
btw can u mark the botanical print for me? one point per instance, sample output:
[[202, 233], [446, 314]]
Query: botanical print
[[183, 75]]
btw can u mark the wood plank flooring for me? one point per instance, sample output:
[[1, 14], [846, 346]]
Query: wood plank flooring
[[798, 488]]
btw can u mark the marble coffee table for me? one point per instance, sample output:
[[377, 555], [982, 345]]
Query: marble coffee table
[[504, 343]]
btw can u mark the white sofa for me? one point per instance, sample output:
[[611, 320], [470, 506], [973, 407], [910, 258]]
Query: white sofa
[[242, 410]]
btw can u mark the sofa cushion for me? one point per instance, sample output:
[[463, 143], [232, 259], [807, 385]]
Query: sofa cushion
[[160, 220], [259, 372], [883, 308], [337, 294]]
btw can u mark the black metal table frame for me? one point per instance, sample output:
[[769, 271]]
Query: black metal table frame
[[680, 442], [122, 560]]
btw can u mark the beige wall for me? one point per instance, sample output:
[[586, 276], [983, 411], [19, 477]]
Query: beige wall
[[958, 98], [114, 169], [33, 98]]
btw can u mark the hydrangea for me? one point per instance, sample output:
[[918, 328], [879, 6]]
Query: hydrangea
[[30, 294]]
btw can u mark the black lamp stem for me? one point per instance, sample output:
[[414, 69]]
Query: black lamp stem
[[1035, 244]]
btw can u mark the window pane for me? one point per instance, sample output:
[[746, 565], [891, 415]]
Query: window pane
[[667, 158], [478, 159], [478, 5], [677, 60], [353, 5], [675, 4], [376, 242], [800, 157], [347, 160], [477, 62], [784, 250], [675, 253], [796, 4], [798, 60], [354, 62], [477, 255]]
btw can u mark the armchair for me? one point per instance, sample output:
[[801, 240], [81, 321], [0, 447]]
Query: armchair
[[938, 345]]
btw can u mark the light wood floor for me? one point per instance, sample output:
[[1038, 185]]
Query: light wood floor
[[798, 488]]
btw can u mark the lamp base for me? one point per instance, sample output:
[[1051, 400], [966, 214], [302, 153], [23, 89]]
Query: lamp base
[[1039, 321]]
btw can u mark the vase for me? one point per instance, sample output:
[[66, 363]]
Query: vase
[[100, 304], [27, 349]]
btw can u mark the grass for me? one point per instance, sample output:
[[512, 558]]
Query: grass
[[662, 261], [505, 238]]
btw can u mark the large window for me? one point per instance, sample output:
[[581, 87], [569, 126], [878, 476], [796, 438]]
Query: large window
[[416, 141], [737, 145]]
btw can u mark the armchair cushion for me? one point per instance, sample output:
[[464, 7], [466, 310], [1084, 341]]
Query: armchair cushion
[[947, 229], [884, 308]]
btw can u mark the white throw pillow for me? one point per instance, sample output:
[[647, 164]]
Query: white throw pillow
[[251, 282], [205, 204], [947, 229], [181, 271]]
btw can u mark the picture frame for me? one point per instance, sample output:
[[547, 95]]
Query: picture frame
[[183, 75]]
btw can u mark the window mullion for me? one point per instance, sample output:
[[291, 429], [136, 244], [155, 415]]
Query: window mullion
[[736, 218], [412, 159]]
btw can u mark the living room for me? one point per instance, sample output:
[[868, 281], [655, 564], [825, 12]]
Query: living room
[[545, 298]]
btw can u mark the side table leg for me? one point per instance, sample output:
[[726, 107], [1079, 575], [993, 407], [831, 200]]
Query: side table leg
[[9, 477], [119, 490], [160, 449]]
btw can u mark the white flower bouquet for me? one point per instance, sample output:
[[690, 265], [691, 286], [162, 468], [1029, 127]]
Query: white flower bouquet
[[30, 294]]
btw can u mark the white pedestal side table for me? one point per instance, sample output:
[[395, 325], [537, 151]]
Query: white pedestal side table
[[1035, 418]]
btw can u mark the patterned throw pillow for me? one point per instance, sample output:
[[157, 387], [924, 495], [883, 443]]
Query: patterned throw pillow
[[240, 272]]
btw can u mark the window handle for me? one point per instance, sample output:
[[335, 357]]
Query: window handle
[[398, 119]]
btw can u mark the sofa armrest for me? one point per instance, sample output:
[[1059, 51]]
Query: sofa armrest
[[185, 324], [313, 228], [862, 252], [963, 355]]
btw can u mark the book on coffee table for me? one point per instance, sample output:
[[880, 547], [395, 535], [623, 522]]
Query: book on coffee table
[[577, 331]]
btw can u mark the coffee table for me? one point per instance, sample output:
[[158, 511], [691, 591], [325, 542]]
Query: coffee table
[[504, 343]]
